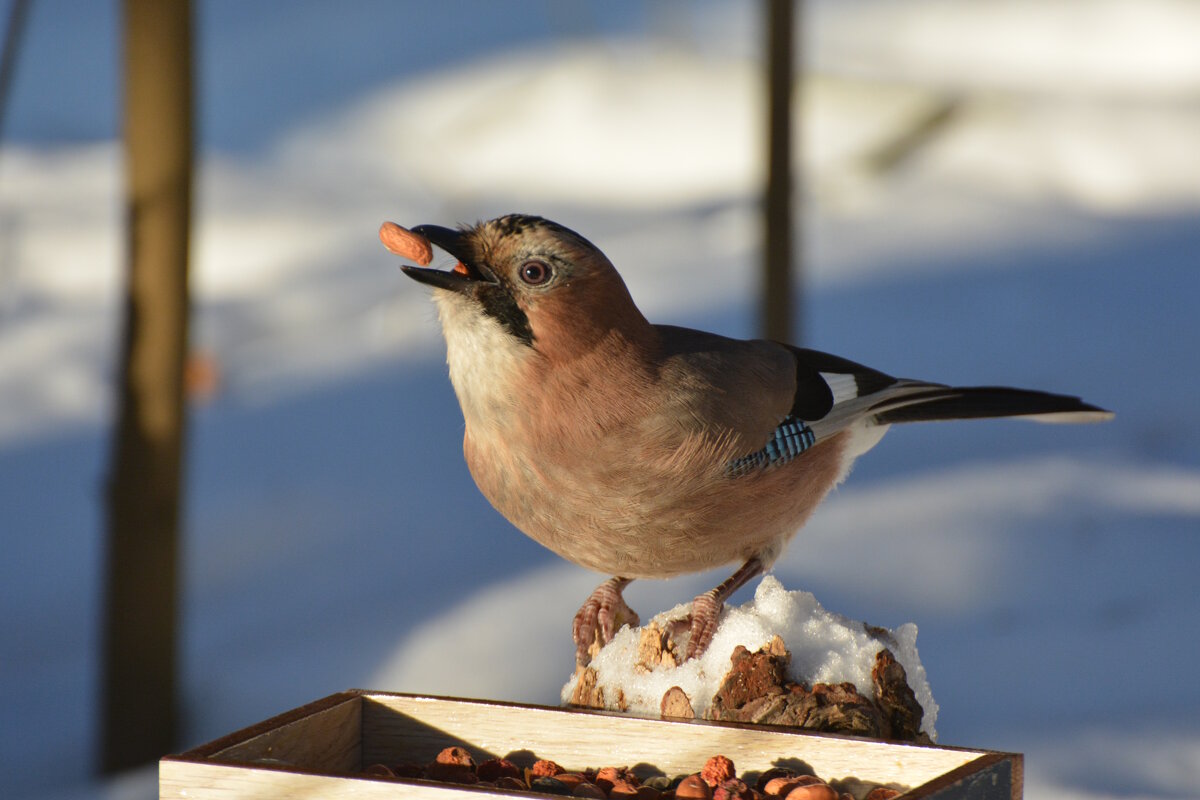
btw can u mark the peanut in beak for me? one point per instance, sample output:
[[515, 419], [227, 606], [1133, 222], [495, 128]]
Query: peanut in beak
[[406, 244]]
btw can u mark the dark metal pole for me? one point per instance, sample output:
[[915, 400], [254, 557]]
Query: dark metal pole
[[779, 322], [139, 708]]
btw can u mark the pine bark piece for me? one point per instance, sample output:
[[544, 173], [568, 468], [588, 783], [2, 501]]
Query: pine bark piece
[[676, 704], [757, 690], [588, 693], [751, 678], [656, 649], [895, 697]]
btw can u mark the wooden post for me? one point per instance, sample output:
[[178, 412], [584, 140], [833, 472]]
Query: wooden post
[[18, 14], [139, 705], [779, 322]]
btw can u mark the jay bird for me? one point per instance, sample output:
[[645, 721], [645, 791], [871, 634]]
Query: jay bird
[[648, 451]]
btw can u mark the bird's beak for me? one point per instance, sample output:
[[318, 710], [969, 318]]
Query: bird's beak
[[466, 273]]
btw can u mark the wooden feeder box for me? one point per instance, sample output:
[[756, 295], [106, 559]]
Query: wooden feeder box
[[320, 749]]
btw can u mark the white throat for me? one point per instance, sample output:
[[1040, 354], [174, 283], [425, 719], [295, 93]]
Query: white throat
[[485, 360]]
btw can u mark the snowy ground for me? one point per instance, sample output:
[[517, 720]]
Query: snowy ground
[[1046, 236]]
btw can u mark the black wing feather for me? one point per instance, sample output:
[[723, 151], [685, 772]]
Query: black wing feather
[[814, 398], [977, 402]]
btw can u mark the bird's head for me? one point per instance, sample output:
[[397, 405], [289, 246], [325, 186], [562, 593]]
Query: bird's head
[[545, 286]]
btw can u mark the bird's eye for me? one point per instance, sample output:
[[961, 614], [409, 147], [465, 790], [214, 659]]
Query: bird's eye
[[535, 272]]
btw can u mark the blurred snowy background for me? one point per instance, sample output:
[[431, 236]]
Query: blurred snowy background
[[1045, 234]]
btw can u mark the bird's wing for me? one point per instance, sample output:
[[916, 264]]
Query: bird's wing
[[774, 401], [861, 393], [781, 400], [829, 385], [856, 391], [726, 387], [830, 394]]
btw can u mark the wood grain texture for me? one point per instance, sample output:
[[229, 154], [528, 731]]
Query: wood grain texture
[[422, 726], [181, 780], [318, 750], [325, 741]]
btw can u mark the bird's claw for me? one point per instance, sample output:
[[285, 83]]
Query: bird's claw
[[600, 617], [706, 612]]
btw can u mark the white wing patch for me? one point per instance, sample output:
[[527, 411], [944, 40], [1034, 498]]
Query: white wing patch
[[843, 385]]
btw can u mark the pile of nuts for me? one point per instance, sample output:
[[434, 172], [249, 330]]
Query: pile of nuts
[[717, 781]]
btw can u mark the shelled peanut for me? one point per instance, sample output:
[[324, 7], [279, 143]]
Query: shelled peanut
[[716, 781]]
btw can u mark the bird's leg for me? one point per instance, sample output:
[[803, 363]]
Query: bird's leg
[[605, 612], [707, 607]]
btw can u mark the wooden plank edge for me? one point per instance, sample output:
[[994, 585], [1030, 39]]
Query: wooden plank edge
[[208, 749], [180, 774], [205, 751], [985, 764], [748, 726], [198, 780], [969, 779]]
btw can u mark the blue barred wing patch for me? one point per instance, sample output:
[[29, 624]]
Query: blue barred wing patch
[[789, 440]]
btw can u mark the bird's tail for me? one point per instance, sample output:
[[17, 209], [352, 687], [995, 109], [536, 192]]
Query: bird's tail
[[924, 402]]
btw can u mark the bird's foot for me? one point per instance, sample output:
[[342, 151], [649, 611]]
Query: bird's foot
[[706, 611], [600, 617]]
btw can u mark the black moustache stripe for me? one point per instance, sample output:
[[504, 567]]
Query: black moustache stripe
[[500, 306]]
